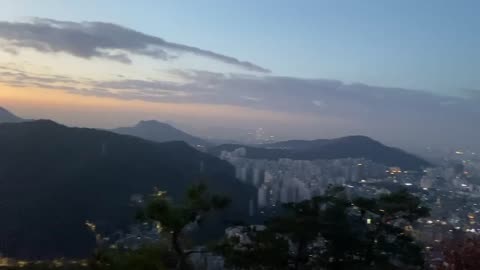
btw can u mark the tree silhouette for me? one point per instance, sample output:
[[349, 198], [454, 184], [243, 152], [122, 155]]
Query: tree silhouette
[[174, 218], [333, 232], [390, 237], [261, 249], [149, 257], [461, 253]]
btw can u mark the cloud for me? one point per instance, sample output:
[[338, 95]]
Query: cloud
[[101, 40], [275, 93], [394, 114], [10, 75], [383, 112], [319, 103], [253, 99], [472, 93]]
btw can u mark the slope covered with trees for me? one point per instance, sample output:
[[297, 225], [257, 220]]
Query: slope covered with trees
[[160, 132], [345, 147], [54, 178]]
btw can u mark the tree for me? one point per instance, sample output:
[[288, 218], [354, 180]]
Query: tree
[[460, 253], [149, 257], [296, 239], [390, 237], [257, 250], [333, 232], [174, 218]]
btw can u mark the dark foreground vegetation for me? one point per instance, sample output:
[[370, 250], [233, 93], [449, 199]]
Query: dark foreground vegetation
[[332, 231]]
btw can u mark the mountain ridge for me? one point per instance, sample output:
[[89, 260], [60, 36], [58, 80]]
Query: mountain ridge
[[79, 174], [156, 131], [355, 146], [8, 117]]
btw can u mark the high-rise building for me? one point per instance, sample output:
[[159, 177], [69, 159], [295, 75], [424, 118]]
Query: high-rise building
[[262, 196]]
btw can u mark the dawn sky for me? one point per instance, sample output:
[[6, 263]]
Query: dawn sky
[[429, 45], [319, 68]]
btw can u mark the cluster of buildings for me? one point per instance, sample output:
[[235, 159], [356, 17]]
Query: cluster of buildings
[[286, 180], [451, 189]]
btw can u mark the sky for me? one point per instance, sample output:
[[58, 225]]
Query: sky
[[404, 72]]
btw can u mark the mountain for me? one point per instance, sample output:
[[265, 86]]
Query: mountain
[[54, 178], [8, 117], [297, 144], [160, 132], [345, 147]]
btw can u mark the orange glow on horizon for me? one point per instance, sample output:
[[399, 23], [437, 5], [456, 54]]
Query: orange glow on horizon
[[47, 103]]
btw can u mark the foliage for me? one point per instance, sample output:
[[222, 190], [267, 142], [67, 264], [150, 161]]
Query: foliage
[[265, 250], [89, 175], [344, 147], [461, 253], [152, 257], [333, 232], [390, 239], [58, 264], [176, 218]]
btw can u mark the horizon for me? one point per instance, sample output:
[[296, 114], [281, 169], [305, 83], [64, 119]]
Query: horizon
[[243, 137], [402, 74]]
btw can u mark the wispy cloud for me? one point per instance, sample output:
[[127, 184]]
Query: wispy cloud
[[472, 93], [319, 103], [100, 40], [253, 99], [391, 113]]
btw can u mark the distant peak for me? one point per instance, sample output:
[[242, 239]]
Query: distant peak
[[6, 116], [5, 111], [44, 122], [357, 139], [151, 123]]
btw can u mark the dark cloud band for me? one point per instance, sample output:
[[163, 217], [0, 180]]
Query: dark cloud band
[[101, 40]]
